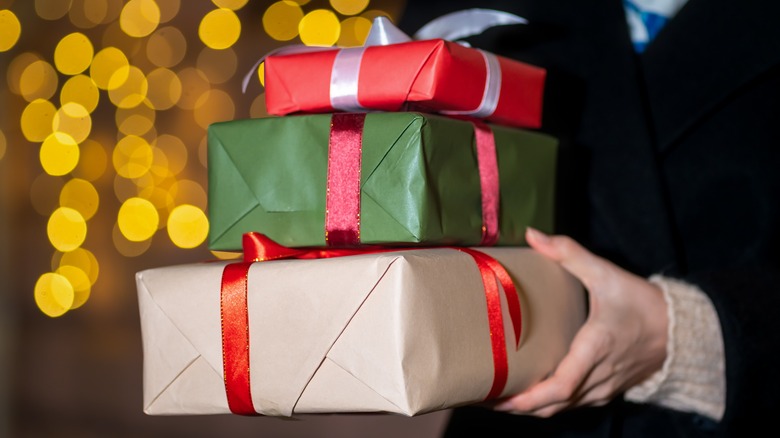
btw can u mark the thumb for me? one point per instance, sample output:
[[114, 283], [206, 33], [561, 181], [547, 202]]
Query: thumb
[[580, 262]]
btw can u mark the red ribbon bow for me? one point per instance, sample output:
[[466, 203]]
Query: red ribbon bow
[[259, 248]]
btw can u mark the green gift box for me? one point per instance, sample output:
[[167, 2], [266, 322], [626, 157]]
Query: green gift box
[[419, 181]]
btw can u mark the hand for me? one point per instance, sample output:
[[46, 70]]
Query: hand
[[622, 342]]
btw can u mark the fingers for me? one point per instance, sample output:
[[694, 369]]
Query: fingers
[[584, 265], [619, 344], [563, 388]]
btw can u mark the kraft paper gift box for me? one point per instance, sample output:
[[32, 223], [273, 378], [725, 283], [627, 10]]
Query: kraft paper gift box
[[402, 332], [417, 180], [429, 75]]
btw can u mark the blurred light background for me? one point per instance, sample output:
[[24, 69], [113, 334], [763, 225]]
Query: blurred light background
[[104, 106]]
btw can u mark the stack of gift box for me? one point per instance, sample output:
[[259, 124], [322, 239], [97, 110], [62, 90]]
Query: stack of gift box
[[381, 213]]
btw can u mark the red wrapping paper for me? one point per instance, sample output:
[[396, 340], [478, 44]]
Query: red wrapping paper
[[428, 75]]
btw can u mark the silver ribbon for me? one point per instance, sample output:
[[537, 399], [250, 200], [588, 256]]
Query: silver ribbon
[[492, 90], [344, 79], [465, 23]]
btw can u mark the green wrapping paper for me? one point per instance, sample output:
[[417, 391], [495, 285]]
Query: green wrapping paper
[[419, 181]]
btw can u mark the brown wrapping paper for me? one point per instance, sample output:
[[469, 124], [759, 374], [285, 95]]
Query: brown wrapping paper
[[401, 332]]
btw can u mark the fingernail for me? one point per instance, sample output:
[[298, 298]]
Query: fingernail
[[504, 407], [533, 233]]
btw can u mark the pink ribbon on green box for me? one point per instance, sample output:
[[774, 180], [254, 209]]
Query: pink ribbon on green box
[[342, 198]]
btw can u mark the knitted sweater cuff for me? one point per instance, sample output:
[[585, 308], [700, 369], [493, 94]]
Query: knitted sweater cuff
[[692, 378]]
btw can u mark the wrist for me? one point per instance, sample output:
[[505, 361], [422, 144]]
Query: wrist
[[657, 329], [692, 377]]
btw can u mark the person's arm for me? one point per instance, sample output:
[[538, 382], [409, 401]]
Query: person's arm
[[692, 378], [659, 339]]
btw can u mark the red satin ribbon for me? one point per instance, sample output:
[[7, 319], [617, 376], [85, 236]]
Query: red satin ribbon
[[235, 338], [258, 247], [488, 180], [342, 199]]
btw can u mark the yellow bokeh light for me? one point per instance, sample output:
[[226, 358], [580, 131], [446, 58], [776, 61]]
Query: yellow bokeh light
[[92, 161], [151, 134], [194, 83], [188, 226], [139, 18], [258, 109], [349, 7], [59, 154], [80, 282], [281, 19], [10, 30], [128, 87], [145, 181], [126, 247], [3, 145], [186, 191], [66, 229], [218, 65], [230, 4], [220, 29], [16, 68], [80, 89], [169, 9], [166, 47], [300, 2], [81, 258], [320, 27], [156, 185], [132, 156], [80, 195], [53, 294], [203, 151], [214, 106], [114, 36], [105, 66], [175, 151], [261, 73], [36, 120], [124, 188], [158, 172], [73, 119], [160, 198], [78, 15], [354, 31], [113, 10], [44, 194], [73, 54], [135, 121], [164, 88], [52, 9], [38, 81], [226, 255], [86, 14], [137, 219], [158, 175]]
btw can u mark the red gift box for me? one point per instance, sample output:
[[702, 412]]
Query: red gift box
[[429, 75]]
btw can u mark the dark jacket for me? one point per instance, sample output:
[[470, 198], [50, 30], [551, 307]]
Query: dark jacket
[[669, 163]]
